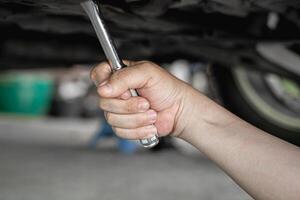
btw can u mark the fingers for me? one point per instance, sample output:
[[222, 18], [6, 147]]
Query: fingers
[[131, 63], [125, 95], [129, 116], [124, 106], [137, 133], [131, 77], [100, 73], [131, 121]]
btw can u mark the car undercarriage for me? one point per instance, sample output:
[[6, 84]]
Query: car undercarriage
[[57, 32], [253, 46]]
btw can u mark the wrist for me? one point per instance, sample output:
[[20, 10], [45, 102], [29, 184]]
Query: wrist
[[201, 116]]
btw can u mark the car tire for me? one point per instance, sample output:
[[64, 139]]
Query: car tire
[[234, 96]]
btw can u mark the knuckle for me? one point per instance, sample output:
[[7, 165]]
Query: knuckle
[[143, 66], [132, 105], [116, 75], [119, 77], [148, 65], [125, 74], [109, 117]]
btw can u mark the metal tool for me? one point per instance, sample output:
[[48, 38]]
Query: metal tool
[[93, 11]]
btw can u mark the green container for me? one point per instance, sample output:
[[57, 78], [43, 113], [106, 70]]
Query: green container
[[25, 93]]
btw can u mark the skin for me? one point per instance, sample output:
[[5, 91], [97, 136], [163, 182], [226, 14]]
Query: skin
[[266, 167]]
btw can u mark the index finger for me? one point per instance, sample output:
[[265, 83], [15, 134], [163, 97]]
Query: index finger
[[100, 73]]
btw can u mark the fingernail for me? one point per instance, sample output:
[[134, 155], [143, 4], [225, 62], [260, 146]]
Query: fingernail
[[106, 88], [152, 115], [143, 106]]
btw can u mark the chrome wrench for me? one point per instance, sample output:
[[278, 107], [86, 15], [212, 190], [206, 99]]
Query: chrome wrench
[[92, 9]]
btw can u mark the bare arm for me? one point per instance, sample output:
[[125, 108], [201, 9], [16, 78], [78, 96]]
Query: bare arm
[[265, 166]]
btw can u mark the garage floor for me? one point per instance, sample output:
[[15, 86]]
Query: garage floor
[[47, 159]]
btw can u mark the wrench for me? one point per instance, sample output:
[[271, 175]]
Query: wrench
[[92, 9]]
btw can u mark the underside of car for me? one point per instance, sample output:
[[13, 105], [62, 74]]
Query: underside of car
[[57, 32], [230, 34]]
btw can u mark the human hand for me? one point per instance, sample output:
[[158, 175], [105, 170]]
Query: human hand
[[158, 109]]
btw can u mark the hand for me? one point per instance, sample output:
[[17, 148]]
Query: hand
[[158, 109]]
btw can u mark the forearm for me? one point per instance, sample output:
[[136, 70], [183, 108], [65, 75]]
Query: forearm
[[266, 167]]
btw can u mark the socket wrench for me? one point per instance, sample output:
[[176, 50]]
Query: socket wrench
[[92, 9]]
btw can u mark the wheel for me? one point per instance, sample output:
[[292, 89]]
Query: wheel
[[268, 101]]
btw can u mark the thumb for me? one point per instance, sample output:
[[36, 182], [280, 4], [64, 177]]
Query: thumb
[[100, 73], [133, 77]]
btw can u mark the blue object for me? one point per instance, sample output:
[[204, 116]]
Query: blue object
[[125, 146]]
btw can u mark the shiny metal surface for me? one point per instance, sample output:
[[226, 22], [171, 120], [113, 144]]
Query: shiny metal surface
[[93, 12]]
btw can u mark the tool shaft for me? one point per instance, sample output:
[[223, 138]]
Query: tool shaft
[[93, 12]]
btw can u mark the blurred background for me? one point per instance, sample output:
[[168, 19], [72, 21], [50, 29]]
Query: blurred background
[[55, 144], [54, 141]]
